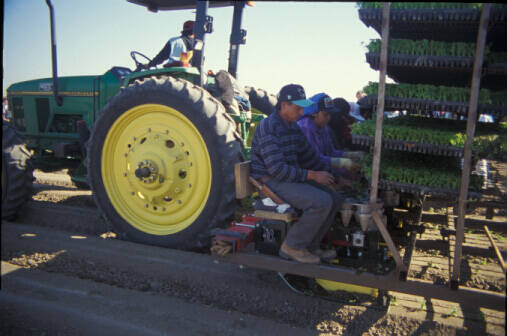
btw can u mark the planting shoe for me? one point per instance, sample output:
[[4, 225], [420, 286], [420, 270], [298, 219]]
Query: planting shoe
[[325, 254], [303, 256]]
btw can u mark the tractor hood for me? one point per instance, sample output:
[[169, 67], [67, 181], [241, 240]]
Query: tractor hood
[[156, 5]]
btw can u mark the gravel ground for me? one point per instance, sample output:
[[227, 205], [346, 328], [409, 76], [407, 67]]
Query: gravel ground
[[84, 250]]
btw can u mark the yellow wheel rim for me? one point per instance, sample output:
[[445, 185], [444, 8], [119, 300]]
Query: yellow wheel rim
[[156, 169]]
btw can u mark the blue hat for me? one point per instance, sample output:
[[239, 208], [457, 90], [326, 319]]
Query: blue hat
[[322, 103], [295, 94]]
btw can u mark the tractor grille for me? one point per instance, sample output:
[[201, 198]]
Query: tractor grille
[[42, 108], [18, 113]]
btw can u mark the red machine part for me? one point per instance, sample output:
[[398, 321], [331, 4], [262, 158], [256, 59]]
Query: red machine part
[[239, 234]]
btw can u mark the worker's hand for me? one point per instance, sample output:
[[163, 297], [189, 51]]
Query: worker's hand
[[345, 183], [322, 177], [354, 155], [346, 163]]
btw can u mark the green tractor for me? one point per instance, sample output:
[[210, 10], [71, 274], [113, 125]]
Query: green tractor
[[157, 147]]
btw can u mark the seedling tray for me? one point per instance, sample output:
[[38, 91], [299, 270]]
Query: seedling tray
[[438, 24], [428, 105], [409, 146], [424, 190]]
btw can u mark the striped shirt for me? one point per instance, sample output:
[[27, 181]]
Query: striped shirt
[[282, 151], [320, 139]]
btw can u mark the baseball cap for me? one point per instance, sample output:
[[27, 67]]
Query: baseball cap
[[188, 25], [295, 94], [322, 103]]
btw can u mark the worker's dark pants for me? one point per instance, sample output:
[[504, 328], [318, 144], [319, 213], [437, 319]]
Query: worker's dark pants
[[319, 205]]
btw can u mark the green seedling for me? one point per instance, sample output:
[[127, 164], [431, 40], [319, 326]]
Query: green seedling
[[469, 231], [432, 210], [423, 306], [498, 236], [393, 300], [483, 262], [430, 264], [453, 312]]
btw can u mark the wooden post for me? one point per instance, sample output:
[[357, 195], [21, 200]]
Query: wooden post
[[467, 155], [497, 251], [378, 139], [380, 103]]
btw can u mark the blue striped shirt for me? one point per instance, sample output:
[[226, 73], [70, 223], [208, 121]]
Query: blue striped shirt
[[283, 152]]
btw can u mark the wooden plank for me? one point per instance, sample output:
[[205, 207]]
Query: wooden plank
[[467, 155], [378, 138], [286, 217], [380, 104], [241, 173], [497, 252]]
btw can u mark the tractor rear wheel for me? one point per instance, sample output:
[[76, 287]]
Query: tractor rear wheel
[[161, 163], [17, 172], [261, 100]]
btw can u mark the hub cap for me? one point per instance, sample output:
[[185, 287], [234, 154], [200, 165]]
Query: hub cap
[[156, 169]]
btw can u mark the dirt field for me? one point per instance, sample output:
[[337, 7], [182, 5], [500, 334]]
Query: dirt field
[[65, 273]]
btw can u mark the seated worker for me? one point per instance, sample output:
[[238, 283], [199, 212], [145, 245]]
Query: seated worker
[[340, 122], [175, 46], [283, 159], [231, 93], [314, 125]]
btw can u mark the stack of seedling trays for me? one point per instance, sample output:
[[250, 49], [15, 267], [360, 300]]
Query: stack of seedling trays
[[431, 57]]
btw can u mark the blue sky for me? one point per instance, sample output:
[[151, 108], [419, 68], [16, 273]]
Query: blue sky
[[315, 44]]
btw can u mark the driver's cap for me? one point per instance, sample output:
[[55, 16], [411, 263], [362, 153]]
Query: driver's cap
[[188, 25]]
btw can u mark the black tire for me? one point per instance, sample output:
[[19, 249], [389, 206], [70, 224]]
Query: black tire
[[261, 100], [17, 172], [217, 130]]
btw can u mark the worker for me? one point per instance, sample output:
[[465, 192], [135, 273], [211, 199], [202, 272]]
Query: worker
[[283, 159], [340, 122], [6, 115], [174, 47], [314, 125]]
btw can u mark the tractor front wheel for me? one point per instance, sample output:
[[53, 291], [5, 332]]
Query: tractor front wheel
[[161, 163]]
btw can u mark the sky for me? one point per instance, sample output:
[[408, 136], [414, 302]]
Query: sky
[[319, 45]]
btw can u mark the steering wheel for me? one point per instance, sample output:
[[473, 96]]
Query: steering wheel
[[139, 65]]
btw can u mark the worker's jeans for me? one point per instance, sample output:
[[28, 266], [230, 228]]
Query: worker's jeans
[[319, 205]]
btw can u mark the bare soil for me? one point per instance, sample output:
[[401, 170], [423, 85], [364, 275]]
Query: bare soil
[[69, 275]]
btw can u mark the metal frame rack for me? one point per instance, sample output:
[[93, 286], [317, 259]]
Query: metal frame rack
[[397, 279]]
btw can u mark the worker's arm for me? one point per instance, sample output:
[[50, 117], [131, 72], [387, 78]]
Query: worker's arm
[[161, 56]]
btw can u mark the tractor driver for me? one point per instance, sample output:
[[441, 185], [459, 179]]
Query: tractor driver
[[283, 159], [175, 46]]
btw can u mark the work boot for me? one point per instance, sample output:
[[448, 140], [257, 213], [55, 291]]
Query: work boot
[[325, 254], [303, 256]]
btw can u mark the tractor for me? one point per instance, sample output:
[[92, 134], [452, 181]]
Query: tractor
[[156, 146]]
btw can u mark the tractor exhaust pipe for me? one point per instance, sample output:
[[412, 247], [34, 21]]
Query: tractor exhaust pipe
[[238, 37], [58, 98]]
